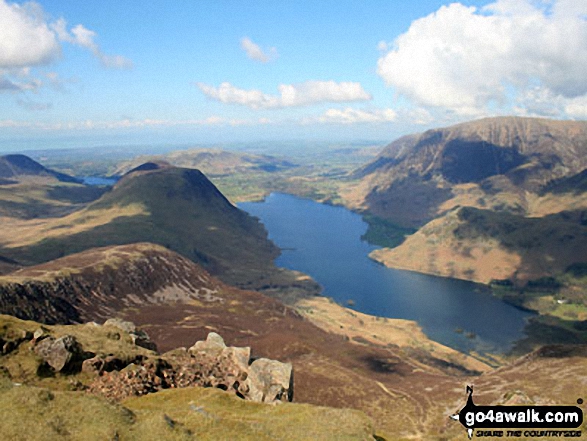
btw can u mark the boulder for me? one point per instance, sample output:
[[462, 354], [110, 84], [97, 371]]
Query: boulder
[[142, 339], [213, 343], [61, 354], [208, 363], [269, 381]]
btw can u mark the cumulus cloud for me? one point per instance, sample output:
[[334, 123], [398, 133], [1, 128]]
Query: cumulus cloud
[[25, 37], [290, 95], [506, 54], [254, 51], [28, 39], [81, 36], [354, 116]]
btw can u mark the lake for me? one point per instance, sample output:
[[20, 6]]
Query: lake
[[97, 180], [324, 242]]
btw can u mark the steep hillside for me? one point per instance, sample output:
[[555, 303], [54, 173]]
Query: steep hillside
[[95, 284], [406, 384], [14, 167], [499, 200], [174, 207], [108, 387], [29, 190], [481, 245], [491, 163]]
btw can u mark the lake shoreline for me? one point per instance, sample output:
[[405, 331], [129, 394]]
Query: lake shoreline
[[324, 241]]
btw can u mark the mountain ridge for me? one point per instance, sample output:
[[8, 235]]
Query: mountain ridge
[[438, 169]]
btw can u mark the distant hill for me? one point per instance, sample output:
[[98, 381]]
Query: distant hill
[[28, 190], [177, 208], [212, 162], [13, 167], [491, 163]]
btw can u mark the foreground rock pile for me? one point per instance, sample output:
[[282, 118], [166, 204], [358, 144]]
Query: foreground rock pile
[[208, 363], [136, 372]]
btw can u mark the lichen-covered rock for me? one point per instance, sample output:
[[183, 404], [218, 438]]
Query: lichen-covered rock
[[269, 381], [61, 354]]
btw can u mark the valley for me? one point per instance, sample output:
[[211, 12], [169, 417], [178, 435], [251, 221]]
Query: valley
[[175, 247]]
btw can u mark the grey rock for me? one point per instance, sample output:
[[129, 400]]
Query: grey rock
[[139, 337], [59, 353], [269, 381], [213, 342], [142, 339], [40, 334], [94, 365]]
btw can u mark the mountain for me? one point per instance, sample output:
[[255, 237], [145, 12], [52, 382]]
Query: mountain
[[499, 200], [174, 207], [15, 167], [494, 163], [212, 162], [97, 283], [28, 190]]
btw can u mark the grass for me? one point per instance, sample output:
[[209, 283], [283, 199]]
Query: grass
[[181, 414], [35, 197], [209, 414]]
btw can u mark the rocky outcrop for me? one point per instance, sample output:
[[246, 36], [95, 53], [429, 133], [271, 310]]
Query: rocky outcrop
[[118, 363], [208, 363]]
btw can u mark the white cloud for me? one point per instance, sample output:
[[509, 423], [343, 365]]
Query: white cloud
[[84, 37], [254, 51], [25, 37], [511, 52], [354, 116], [29, 40], [577, 108], [123, 123], [18, 82], [290, 95]]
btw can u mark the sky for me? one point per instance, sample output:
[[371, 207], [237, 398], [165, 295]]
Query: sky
[[83, 74]]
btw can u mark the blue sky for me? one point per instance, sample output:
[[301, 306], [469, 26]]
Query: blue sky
[[211, 71]]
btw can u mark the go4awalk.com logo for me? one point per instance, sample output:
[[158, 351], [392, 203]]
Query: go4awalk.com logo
[[520, 421]]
